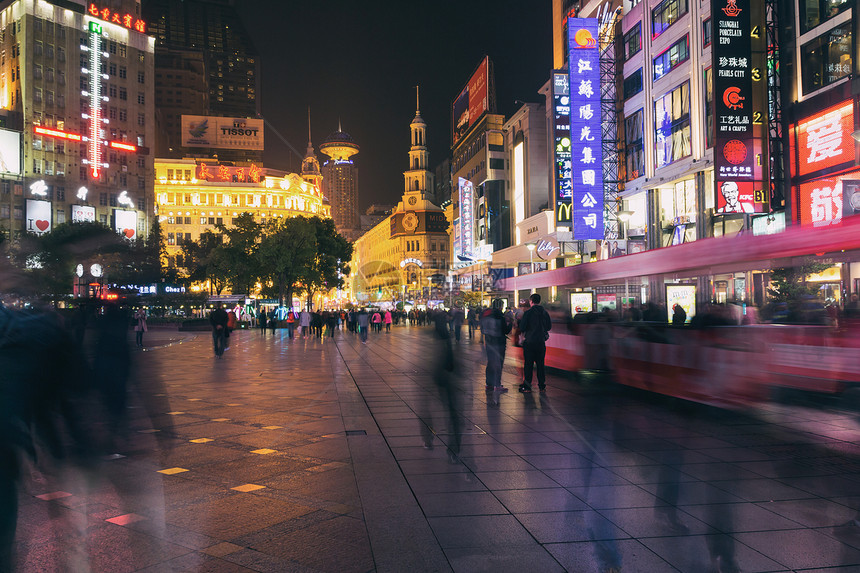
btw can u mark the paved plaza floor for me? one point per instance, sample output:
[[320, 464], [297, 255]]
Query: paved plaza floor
[[308, 455]]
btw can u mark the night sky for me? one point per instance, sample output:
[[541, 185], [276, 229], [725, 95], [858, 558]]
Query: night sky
[[360, 60]]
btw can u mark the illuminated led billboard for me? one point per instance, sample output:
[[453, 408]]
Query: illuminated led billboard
[[824, 140], [38, 216], [222, 132], [466, 219], [585, 137], [472, 102], [125, 223], [10, 152], [561, 151]]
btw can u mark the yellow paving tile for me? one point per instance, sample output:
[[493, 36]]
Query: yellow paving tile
[[264, 451], [232, 404], [248, 487], [200, 440], [222, 549], [174, 413], [172, 471], [220, 419], [125, 519], [272, 427], [194, 399]]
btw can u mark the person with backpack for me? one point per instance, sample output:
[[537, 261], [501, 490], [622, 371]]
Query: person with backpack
[[534, 326]]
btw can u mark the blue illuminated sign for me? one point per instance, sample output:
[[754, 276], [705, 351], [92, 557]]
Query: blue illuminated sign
[[561, 129], [586, 143]]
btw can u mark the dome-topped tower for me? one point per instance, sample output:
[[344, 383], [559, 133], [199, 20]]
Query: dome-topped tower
[[340, 181]]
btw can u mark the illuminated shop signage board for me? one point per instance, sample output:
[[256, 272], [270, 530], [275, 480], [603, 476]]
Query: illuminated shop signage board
[[739, 120], [47, 132], [561, 152], [122, 146], [585, 137], [472, 102], [824, 140], [94, 153], [684, 296], [466, 219], [581, 302], [121, 19], [10, 151], [823, 202], [231, 173]]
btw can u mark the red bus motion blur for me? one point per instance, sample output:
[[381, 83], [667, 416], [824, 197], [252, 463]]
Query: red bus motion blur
[[727, 366]]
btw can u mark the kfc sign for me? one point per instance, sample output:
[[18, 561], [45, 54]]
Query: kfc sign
[[824, 140]]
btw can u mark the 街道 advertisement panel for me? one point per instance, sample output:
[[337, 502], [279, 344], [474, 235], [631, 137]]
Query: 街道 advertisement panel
[[739, 107]]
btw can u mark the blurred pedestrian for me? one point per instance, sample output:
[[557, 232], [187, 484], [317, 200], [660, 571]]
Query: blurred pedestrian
[[231, 326], [387, 321], [362, 323], [291, 323], [262, 322], [495, 330], [139, 326], [273, 319], [377, 321], [534, 326], [444, 370], [218, 321], [305, 323], [679, 315]]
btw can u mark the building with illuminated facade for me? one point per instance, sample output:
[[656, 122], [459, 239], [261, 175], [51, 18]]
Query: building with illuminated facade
[[75, 79], [208, 51], [406, 256], [194, 195], [340, 182]]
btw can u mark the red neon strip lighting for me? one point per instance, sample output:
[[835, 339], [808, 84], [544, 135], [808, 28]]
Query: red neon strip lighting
[[56, 133], [123, 146]]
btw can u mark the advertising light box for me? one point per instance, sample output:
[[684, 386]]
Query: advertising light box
[[466, 219], [585, 136], [83, 214], [822, 203], [683, 295], [38, 216], [581, 302], [561, 152], [10, 152], [824, 140], [125, 223]]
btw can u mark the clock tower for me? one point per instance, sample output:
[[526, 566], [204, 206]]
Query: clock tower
[[417, 225]]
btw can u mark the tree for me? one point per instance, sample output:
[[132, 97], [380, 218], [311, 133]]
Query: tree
[[205, 260], [50, 259], [287, 247], [329, 266], [239, 252], [788, 284]]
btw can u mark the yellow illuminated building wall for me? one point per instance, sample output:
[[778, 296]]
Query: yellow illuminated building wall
[[192, 196]]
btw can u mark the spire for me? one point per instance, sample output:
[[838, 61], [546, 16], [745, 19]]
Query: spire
[[417, 104], [339, 128], [309, 126]]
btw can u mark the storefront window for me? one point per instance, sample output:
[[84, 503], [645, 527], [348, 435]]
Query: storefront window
[[815, 12], [634, 151], [826, 59], [672, 121], [678, 212]]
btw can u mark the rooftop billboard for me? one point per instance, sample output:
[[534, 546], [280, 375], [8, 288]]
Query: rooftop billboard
[[222, 132], [472, 102]]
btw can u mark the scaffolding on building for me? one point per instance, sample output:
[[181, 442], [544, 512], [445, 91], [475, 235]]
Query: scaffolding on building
[[774, 105], [609, 113]]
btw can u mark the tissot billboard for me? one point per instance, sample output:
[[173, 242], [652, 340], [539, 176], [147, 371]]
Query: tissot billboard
[[472, 102], [222, 132], [739, 110], [585, 137]]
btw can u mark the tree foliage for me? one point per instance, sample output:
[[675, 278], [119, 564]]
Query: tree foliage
[[328, 267], [788, 284], [288, 246], [239, 252]]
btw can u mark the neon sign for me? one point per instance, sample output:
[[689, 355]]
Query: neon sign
[[466, 219], [122, 146], [126, 20], [824, 140], [95, 95], [585, 136], [55, 133]]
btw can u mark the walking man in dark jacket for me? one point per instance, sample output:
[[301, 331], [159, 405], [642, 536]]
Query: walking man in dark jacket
[[535, 326], [218, 320]]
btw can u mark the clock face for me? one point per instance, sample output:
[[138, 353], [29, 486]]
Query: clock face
[[413, 200], [410, 221], [79, 270], [96, 270]]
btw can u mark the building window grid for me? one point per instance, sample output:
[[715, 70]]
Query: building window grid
[[672, 126], [633, 41], [676, 54], [665, 14], [634, 137]]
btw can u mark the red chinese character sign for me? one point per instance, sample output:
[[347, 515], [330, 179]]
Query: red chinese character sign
[[119, 18], [739, 153], [824, 140], [822, 203]]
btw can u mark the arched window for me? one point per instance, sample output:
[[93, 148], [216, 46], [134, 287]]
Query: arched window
[[415, 185]]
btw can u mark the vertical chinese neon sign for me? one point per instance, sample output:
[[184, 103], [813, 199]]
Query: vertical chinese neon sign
[[561, 131], [585, 137], [95, 141], [466, 219]]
